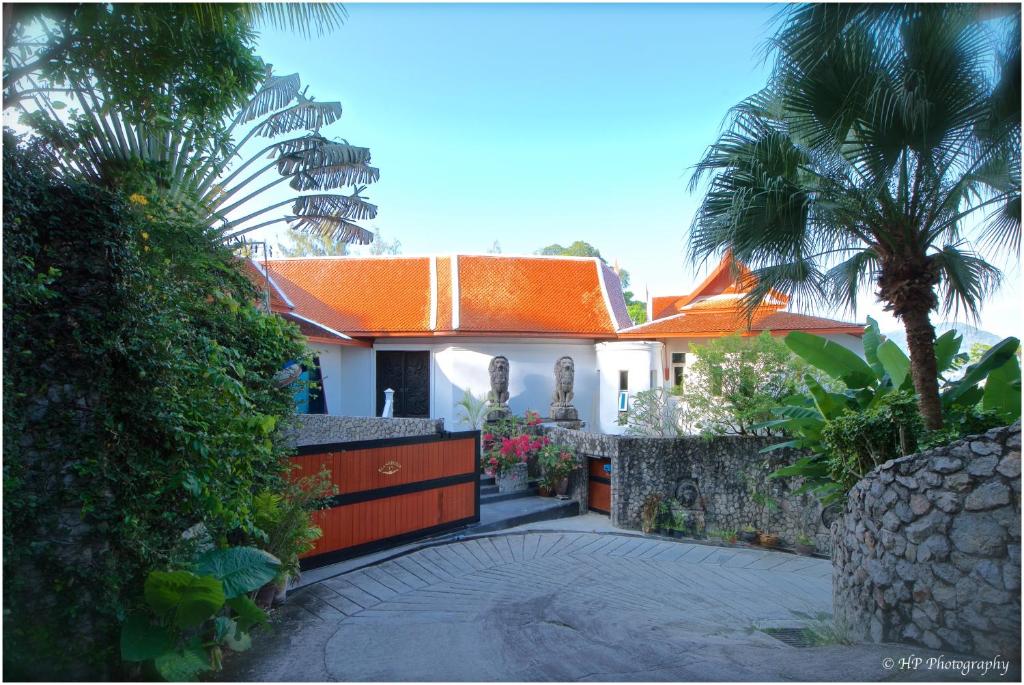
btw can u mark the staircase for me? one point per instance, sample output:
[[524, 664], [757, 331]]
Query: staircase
[[507, 510]]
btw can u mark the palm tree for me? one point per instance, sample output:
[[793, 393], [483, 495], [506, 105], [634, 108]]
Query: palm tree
[[885, 152]]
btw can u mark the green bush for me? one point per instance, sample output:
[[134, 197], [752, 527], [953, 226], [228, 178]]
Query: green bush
[[139, 403], [857, 441], [734, 383]]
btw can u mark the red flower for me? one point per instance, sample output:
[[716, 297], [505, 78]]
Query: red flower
[[488, 436]]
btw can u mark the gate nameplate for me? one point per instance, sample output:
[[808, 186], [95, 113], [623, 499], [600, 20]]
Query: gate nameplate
[[390, 468]]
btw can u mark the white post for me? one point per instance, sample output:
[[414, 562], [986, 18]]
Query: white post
[[389, 404]]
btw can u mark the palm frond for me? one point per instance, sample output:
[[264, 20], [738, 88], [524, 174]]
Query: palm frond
[[337, 228], [276, 93], [343, 206], [845, 281], [305, 115], [332, 176], [965, 279]]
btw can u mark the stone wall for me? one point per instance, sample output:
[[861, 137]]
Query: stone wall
[[314, 429], [928, 549], [725, 478]]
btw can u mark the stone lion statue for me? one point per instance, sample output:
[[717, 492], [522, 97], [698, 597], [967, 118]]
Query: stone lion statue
[[565, 374], [498, 369], [561, 401]]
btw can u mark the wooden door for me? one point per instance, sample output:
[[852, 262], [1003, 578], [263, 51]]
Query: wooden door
[[600, 485], [408, 374]]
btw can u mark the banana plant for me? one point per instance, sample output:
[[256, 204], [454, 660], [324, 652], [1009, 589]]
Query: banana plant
[[993, 383], [191, 615]]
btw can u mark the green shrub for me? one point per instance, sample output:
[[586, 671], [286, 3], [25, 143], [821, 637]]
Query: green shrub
[[139, 403], [858, 441], [734, 383]]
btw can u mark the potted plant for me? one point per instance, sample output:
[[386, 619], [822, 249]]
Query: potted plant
[[748, 534], [557, 463], [287, 528], [508, 458], [680, 525], [650, 513], [804, 545]]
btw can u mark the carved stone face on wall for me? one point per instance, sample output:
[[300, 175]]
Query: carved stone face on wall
[[688, 494], [498, 369]]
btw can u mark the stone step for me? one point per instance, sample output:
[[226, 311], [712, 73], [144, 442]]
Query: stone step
[[515, 512], [489, 493]]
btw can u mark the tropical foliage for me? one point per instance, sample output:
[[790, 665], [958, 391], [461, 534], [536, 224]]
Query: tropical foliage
[[556, 462], [192, 615], [734, 384], [472, 409], [283, 524], [847, 433], [139, 403], [884, 153], [166, 124]]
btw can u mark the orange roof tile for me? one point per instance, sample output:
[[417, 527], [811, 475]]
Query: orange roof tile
[[709, 323], [461, 295], [715, 308]]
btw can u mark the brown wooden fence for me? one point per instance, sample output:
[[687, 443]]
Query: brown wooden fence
[[392, 490]]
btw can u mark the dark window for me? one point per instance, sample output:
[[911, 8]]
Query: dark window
[[678, 357], [677, 375], [623, 380]]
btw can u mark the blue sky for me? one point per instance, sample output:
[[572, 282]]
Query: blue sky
[[534, 124]]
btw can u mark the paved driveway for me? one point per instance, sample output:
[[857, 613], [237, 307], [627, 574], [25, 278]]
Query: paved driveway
[[560, 606]]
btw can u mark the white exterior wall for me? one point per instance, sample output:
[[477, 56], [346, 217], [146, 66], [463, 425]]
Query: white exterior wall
[[459, 364], [346, 373], [639, 358]]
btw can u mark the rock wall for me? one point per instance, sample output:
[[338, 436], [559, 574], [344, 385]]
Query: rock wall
[[928, 549], [725, 478], [314, 429]]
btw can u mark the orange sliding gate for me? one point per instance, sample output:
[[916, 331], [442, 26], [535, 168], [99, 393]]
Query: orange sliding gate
[[391, 491]]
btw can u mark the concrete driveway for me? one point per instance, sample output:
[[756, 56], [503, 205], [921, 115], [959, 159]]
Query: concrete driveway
[[562, 606]]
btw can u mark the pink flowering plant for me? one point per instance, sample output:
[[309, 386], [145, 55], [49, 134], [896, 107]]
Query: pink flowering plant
[[511, 441], [507, 452]]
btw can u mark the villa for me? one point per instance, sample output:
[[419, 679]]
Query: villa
[[428, 327]]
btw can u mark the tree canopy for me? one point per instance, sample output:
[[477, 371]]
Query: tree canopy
[[884, 152]]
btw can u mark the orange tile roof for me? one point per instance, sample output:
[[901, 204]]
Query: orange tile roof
[[714, 308], [459, 295], [699, 324]]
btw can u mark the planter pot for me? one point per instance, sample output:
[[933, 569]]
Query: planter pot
[[806, 550], [281, 592], [265, 596], [513, 479], [678, 534], [562, 487], [768, 540], [544, 491], [749, 537]]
